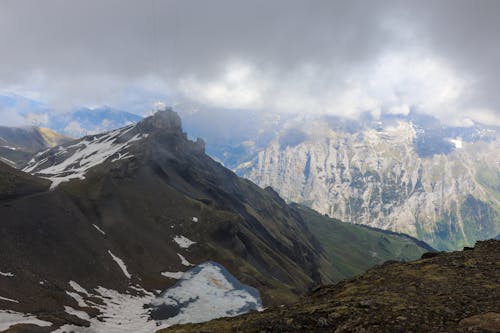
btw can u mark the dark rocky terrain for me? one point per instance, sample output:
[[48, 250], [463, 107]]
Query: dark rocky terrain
[[442, 292]]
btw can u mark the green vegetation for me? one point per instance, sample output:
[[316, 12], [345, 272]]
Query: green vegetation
[[352, 248], [480, 221]]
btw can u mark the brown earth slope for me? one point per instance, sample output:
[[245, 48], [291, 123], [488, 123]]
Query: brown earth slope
[[443, 292]]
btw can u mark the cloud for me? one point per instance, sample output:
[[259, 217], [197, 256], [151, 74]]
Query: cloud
[[11, 116], [394, 83], [336, 57]]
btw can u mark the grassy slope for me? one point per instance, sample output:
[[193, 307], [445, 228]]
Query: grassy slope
[[355, 248]]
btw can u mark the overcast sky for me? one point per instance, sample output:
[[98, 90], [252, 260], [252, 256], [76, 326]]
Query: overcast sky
[[317, 57]]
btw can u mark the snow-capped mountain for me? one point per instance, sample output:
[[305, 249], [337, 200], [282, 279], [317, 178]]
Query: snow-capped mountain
[[407, 174], [74, 123], [137, 229], [74, 160], [86, 121]]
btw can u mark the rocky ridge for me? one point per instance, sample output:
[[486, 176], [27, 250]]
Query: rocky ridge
[[442, 292]]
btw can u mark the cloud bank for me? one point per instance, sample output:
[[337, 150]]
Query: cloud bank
[[322, 57]]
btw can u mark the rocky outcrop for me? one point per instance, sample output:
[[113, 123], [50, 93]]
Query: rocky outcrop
[[449, 292], [391, 176]]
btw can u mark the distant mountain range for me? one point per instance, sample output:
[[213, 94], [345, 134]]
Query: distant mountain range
[[74, 123], [408, 174], [19, 144], [111, 230]]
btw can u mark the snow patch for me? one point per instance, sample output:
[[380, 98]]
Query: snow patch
[[7, 274], [9, 162], [122, 157], [120, 263], [183, 242], [173, 275], [80, 314], [205, 292], [457, 142], [184, 260], [99, 229], [78, 298], [76, 287], [194, 219], [8, 299], [10, 318], [120, 313]]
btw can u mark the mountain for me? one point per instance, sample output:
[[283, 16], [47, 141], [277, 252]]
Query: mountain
[[138, 229], [85, 121], [406, 174], [446, 292], [75, 123], [18, 144]]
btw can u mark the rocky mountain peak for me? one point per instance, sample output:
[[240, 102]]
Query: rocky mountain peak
[[165, 119]]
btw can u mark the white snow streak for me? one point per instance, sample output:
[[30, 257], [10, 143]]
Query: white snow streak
[[76, 287], [80, 314], [184, 261], [78, 298], [8, 299], [173, 275], [120, 263], [99, 229], [7, 274], [122, 157]]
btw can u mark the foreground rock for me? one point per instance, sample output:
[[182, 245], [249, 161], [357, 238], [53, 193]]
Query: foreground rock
[[445, 292]]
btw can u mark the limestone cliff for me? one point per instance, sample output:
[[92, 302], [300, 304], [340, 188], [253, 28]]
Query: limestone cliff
[[396, 175]]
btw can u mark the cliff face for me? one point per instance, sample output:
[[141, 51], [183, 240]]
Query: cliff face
[[397, 176]]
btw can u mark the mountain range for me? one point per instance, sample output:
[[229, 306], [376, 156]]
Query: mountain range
[[408, 174], [404, 173], [19, 144], [108, 232], [76, 122]]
